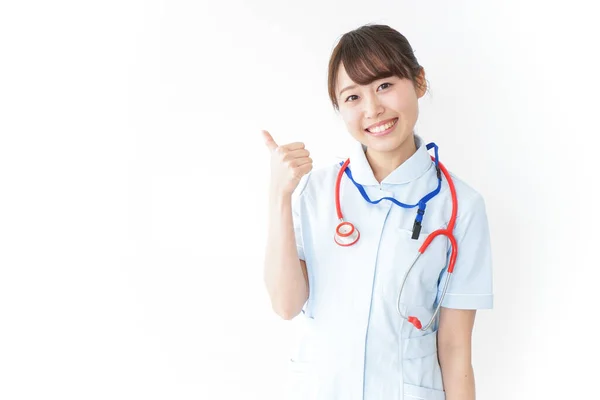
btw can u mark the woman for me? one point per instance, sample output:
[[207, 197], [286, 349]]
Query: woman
[[359, 343]]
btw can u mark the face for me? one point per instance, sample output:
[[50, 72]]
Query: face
[[382, 114]]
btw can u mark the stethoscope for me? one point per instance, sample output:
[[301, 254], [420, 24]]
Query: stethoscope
[[346, 233]]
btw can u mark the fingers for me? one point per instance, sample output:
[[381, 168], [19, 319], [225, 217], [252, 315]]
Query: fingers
[[271, 145], [293, 146], [289, 163], [303, 170], [291, 154], [293, 158], [298, 162]]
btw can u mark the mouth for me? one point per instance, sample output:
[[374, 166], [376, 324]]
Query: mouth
[[383, 129]]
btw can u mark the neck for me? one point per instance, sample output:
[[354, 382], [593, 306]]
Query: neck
[[384, 163]]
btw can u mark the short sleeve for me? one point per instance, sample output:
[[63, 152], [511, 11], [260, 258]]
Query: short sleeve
[[471, 283], [297, 205]]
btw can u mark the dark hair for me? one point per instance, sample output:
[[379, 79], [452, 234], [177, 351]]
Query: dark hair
[[372, 52]]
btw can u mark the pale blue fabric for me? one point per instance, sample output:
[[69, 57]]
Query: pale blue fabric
[[355, 346]]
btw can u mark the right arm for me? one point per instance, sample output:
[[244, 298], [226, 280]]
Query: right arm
[[285, 274]]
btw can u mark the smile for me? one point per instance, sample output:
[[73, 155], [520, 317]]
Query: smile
[[383, 129]]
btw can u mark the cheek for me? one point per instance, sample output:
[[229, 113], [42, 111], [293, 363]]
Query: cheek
[[403, 105], [351, 120]]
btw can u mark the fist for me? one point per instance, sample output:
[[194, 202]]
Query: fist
[[289, 163]]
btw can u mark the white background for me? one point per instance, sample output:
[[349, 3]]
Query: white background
[[133, 184]]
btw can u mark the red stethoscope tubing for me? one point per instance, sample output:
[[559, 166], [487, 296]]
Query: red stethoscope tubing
[[338, 208], [444, 232], [448, 231], [346, 233]]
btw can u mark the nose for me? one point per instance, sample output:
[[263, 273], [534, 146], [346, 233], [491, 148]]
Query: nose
[[373, 107]]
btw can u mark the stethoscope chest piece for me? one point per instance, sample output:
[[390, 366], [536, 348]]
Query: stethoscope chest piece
[[346, 234]]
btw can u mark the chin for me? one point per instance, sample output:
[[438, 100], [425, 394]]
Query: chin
[[383, 144], [383, 148]]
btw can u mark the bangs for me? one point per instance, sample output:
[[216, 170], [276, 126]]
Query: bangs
[[369, 53], [367, 62]]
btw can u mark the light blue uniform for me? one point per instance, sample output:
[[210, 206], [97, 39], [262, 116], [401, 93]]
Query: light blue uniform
[[355, 346]]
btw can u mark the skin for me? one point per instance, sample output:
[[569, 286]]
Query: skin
[[285, 275], [381, 100], [360, 107]]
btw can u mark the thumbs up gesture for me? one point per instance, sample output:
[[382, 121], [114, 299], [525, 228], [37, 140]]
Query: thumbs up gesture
[[289, 163]]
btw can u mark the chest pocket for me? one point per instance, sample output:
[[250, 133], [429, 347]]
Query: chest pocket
[[420, 288]]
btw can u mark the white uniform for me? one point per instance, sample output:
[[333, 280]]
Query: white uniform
[[356, 346]]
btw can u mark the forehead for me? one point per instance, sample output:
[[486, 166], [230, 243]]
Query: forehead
[[343, 79]]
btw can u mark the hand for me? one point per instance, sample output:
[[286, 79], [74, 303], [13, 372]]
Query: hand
[[289, 163]]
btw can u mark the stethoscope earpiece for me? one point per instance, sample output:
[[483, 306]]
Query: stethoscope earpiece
[[416, 322]]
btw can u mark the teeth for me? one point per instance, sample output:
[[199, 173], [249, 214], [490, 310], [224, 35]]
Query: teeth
[[382, 127]]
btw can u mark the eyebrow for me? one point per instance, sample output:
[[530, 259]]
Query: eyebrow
[[346, 88]]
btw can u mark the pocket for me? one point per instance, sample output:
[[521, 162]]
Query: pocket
[[420, 288], [300, 379], [421, 370], [412, 392]]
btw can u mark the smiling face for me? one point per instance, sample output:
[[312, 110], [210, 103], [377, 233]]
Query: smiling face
[[382, 114]]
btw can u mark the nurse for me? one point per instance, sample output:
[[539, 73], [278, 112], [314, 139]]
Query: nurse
[[355, 345]]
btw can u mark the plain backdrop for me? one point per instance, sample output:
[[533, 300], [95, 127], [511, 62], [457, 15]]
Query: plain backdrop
[[133, 185]]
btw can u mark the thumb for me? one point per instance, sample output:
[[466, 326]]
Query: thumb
[[271, 145]]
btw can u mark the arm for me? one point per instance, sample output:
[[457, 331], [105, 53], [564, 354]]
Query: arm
[[454, 353], [284, 274]]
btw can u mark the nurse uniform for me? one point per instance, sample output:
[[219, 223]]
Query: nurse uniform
[[355, 345]]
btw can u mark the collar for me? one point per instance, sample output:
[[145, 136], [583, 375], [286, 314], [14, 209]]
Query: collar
[[408, 171]]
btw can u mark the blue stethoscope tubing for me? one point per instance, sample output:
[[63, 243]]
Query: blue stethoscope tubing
[[346, 233]]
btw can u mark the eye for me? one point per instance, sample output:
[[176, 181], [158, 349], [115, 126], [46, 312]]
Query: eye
[[350, 96], [386, 83]]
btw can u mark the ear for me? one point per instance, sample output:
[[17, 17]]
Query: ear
[[421, 86]]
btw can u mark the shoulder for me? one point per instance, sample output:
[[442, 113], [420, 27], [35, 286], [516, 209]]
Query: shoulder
[[471, 203], [465, 192], [319, 181]]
